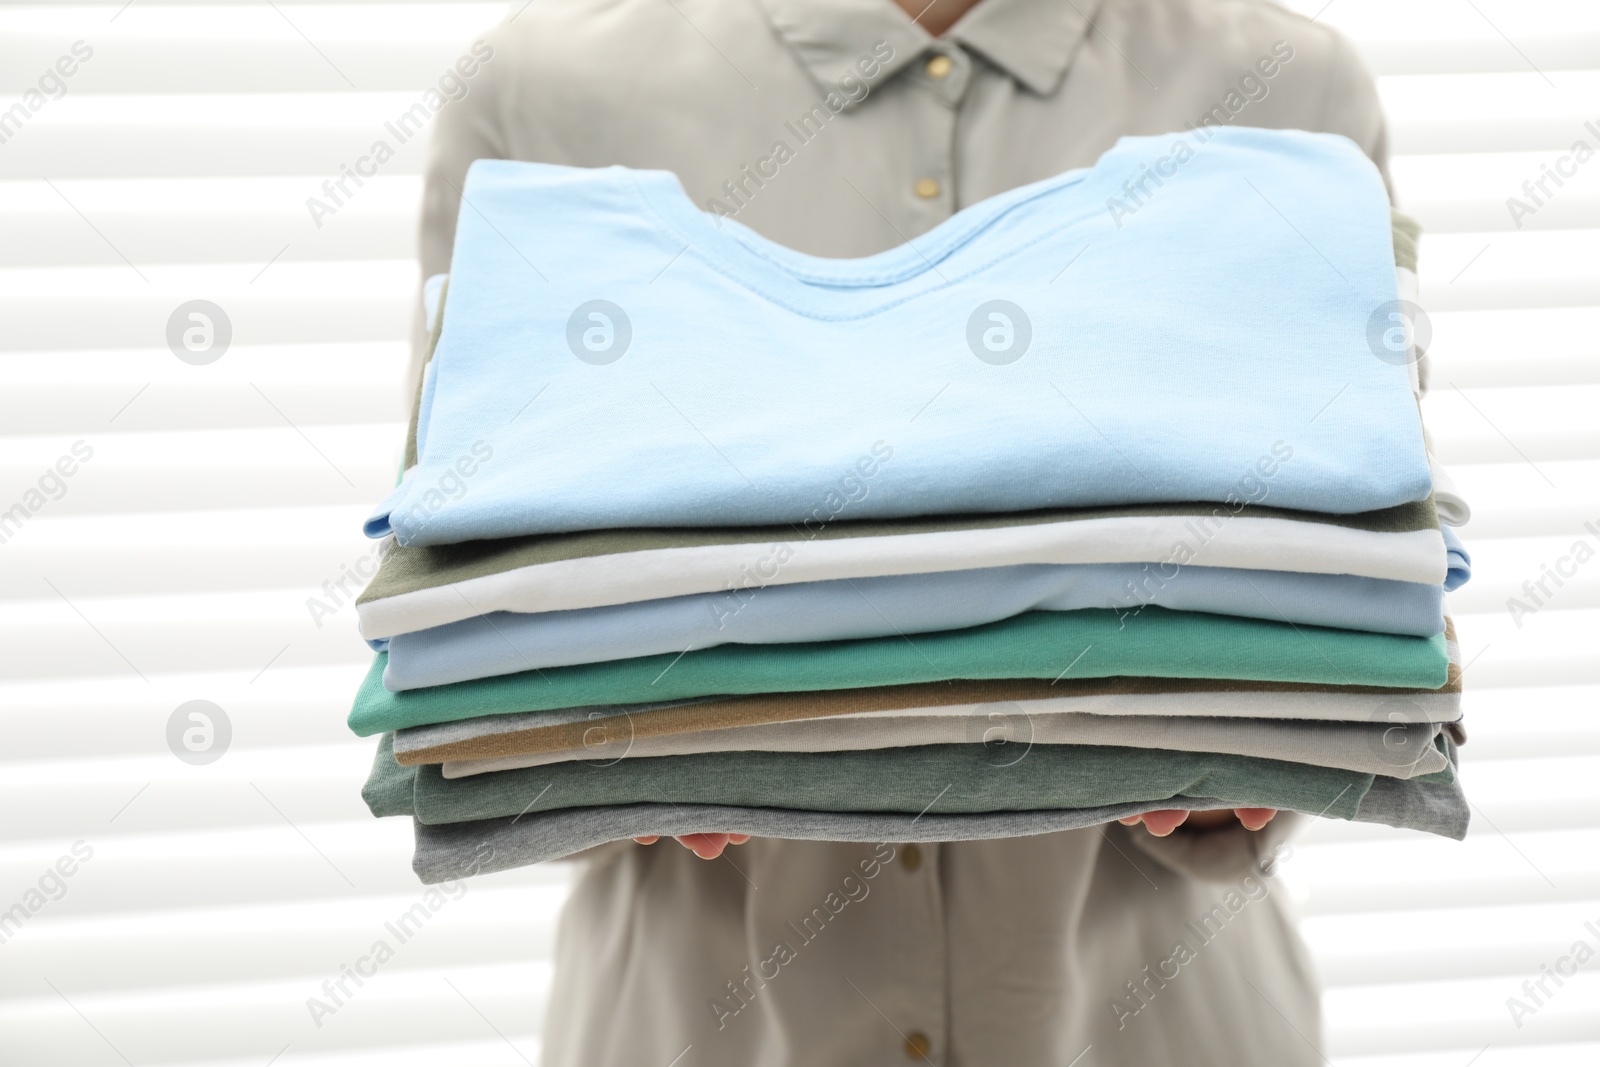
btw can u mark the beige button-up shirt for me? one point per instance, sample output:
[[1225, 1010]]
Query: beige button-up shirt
[[840, 128]]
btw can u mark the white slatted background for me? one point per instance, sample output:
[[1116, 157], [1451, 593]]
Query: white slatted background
[[178, 563]]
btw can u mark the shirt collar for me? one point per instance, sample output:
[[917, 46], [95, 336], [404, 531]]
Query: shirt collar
[[1031, 40]]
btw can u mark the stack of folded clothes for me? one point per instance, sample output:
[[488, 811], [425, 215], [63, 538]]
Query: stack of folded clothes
[[1107, 495]]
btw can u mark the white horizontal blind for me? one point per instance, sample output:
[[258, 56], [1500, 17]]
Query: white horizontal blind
[[176, 562]]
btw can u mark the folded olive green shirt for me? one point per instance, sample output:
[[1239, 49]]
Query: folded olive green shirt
[[1092, 643], [943, 778], [1407, 236]]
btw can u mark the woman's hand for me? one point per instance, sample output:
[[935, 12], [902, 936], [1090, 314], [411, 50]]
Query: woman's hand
[[706, 846], [1162, 823]]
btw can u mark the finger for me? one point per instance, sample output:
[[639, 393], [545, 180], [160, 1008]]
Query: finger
[[706, 846], [1132, 820], [649, 839], [738, 839], [1162, 823], [1255, 818]]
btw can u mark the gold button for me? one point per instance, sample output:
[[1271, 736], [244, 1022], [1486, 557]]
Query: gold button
[[939, 66], [926, 188], [917, 1045], [911, 857]]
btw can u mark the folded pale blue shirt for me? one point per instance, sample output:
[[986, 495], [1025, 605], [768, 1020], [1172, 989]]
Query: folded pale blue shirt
[[611, 356], [507, 642]]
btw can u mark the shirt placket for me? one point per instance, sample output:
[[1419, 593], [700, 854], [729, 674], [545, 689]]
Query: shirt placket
[[942, 75], [921, 947]]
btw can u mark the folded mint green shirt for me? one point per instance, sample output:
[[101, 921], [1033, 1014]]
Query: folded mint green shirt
[[1040, 644]]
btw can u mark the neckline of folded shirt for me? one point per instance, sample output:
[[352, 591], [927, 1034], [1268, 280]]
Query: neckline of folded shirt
[[811, 285]]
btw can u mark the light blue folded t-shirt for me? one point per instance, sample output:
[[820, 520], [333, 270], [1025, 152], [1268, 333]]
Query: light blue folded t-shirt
[[506, 642], [1459, 561], [834, 610], [611, 356]]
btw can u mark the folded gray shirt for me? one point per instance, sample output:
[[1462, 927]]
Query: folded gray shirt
[[1398, 749], [483, 846]]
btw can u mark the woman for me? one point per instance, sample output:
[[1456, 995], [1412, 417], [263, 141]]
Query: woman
[[842, 128]]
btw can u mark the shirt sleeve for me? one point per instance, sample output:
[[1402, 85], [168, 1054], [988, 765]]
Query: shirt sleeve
[[1352, 106], [467, 129]]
